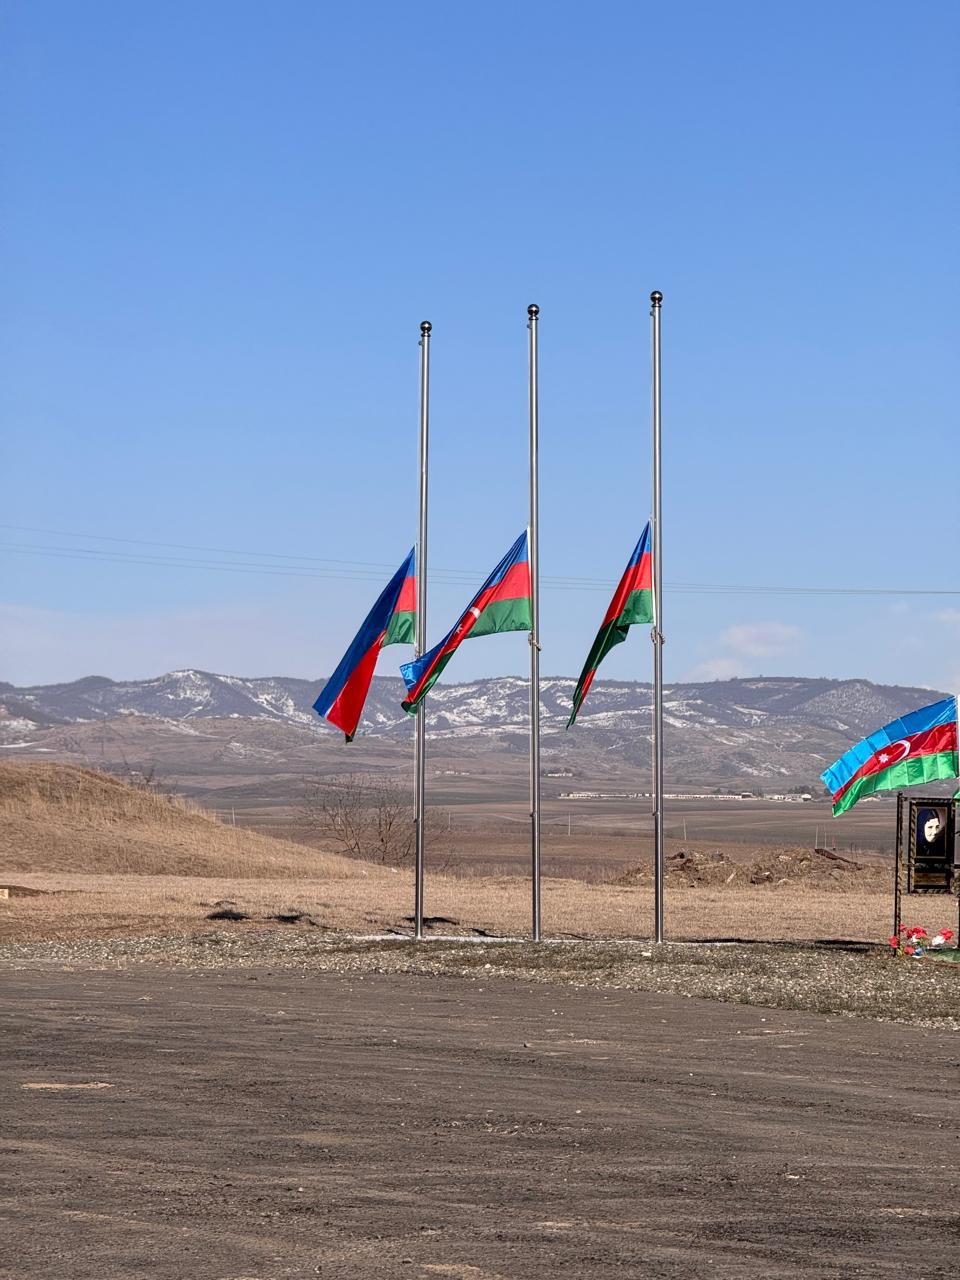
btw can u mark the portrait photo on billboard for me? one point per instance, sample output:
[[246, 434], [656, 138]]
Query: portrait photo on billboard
[[931, 846]]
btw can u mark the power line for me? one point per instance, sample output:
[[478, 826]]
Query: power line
[[338, 570], [289, 561], [186, 546], [159, 562], [730, 588], [292, 566]]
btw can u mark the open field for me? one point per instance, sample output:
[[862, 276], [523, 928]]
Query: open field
[[600, 854], [259, 773], [65, 905], [260, 1125], [871, 827], [87, 856]]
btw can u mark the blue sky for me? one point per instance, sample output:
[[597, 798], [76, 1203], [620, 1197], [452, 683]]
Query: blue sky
[[224, 222]]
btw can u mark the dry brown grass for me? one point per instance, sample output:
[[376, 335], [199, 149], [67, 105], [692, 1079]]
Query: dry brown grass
[[110, 859], [101, 906], [61, 818]]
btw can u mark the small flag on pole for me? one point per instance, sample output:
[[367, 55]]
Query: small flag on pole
[[501, 604], [390, 621], [632, 602], [919, 747]]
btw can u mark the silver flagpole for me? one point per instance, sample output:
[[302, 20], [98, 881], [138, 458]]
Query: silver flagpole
[[533, 312], [656, 299], [420, 639]]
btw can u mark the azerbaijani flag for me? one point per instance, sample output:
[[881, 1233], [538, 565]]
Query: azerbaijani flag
[[920, 747], [632, 602], [502, 604], [390, 621]]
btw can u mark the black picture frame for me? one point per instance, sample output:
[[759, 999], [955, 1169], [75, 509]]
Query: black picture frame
[[931, 831]]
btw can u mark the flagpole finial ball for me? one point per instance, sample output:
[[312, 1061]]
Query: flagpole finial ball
[[425, 327], [533, 311], [656, 297]]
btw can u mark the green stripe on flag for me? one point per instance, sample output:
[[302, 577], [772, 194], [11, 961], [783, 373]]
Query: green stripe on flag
[[608, 637], [638, 608], [401, 629], [503, 615]]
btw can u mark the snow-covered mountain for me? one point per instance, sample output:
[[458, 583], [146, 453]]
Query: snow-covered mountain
[[500, 703], [178, 695], [744, 729]]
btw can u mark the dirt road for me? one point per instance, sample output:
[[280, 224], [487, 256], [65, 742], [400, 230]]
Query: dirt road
[[254, 1126]]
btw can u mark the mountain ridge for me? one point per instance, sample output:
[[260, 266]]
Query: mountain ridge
[[282, 697], [775, 728]]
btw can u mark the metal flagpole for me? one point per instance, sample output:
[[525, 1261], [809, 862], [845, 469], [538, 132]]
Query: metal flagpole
[[656, 299], [533, 313], [897, 881], [420, 639]]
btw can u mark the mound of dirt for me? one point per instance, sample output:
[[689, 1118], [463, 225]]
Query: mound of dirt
[[777, 868], [57, 817]]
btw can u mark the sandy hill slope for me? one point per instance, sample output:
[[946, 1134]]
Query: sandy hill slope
[[56, 817]]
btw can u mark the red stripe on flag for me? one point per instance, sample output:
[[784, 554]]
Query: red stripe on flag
[[942, 737], [586, 686], [346, 710], [514, 585], [637, 577], [407, 600]]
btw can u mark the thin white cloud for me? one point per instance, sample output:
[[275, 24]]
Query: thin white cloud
[[717, 669], [761, 639], [741, 645]]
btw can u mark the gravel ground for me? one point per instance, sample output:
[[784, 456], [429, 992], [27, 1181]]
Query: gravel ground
[[189, 1123], [854, 981]]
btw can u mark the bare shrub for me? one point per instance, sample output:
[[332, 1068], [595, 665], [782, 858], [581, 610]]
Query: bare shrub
[[370, 816], [140, 779]]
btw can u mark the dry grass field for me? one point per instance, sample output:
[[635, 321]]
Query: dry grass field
[[84, 855], [261, 772], [62, 905]]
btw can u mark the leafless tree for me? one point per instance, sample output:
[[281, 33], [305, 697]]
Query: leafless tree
[[145, 778], [369, 816]]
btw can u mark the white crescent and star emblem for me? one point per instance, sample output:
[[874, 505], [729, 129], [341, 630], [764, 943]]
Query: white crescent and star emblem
[[886, 757], [463, 621]]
